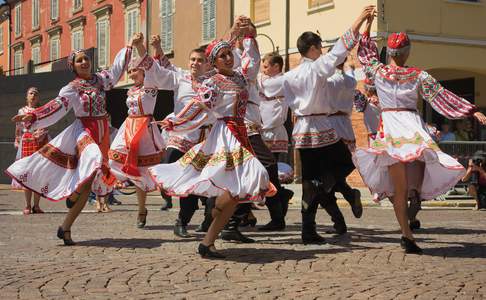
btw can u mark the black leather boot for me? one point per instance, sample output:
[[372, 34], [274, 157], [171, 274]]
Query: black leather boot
[[309, 209], [180, 229], [208, 218], [330, 205], [231, 232], [275, 209]]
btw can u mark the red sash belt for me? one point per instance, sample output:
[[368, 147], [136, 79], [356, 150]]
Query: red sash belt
[[238, 129], [99, 131], [134, 128]]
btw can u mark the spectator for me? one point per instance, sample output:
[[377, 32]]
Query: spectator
[[445, 133], [464, 130], [476, 176]]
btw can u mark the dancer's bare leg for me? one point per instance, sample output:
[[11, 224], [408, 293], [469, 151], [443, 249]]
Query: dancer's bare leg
[[224, 209], [28, 199], [398, 174], [78, 206], [36, 201], [141, 198]]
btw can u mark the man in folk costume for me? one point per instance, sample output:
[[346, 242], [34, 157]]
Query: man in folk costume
[[184, 83], [307, 91], [274, 111]]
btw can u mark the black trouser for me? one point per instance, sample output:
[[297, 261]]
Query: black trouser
[[319, 167], [188, 205], [266, 158]]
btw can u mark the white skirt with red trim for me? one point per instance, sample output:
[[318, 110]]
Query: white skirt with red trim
[[403, 137], [210, 168], [150, 152], [60, 167]]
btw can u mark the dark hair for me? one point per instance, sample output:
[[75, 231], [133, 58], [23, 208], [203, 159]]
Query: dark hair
[[307, 40], [274, 58], [199, 50]]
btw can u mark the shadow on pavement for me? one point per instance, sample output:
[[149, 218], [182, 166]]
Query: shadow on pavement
[[263, 256], [130, 243]]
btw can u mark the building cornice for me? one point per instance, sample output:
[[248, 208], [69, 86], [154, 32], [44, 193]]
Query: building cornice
[[77, 21], [35, 39], [104, 10], [54, 30], [18, 45], [127, 3]]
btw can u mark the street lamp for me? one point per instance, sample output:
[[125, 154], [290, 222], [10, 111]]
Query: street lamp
[[269, 38]]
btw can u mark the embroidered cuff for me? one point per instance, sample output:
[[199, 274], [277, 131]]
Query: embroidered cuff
[[349, 39]]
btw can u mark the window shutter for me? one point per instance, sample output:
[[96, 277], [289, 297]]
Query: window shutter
[[212, 19]]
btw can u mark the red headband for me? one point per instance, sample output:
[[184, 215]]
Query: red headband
[[398, 40]]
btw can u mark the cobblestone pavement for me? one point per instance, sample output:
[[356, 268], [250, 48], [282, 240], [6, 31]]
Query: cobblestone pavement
[[115, 260]]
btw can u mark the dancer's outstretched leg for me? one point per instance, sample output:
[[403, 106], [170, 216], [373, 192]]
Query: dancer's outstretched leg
[[398, 174], [142, 210], [64, 232], [223, 210]]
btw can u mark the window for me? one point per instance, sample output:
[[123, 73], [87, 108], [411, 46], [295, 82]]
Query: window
[[35, 14], [77, 5], [18, 20], [167, 19], [54, 47], [54, 9], [102, 34], [18, 64], [317, 3], [1, 41], [131, 23], [209, 20], [260, 11], [36, 54], [77, 39]]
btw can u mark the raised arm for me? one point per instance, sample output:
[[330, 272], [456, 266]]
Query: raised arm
[[250, 59], [156, 76], [111, 76], [445, 102], [326, 64], [196, 113]]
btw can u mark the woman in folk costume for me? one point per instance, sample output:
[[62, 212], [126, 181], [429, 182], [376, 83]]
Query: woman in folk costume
[[76, 161], [224, 165], [28, 141], [138, 143], [404, 157]]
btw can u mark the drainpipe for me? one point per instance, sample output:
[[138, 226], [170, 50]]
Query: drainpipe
[[9, 52], [148, 26], [287, 34], [232, 12]]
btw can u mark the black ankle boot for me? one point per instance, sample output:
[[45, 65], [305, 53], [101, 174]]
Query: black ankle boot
[[273, 226], [312, 238], [414, 225], [180, 230], [231, 232], [61, 234], [410, 246], [206, 252]]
